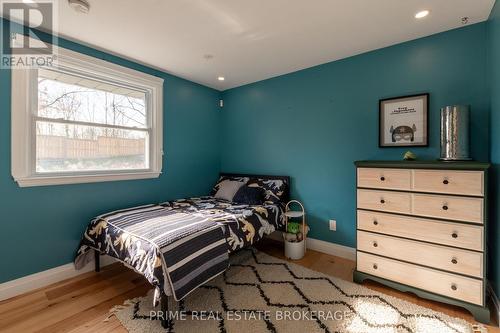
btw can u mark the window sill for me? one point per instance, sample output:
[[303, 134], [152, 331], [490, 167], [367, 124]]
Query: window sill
[[82, 179]]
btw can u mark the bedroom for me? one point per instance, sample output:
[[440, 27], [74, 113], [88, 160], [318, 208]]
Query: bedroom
[[143, 105]]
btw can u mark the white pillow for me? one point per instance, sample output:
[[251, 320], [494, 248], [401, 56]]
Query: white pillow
[[227, 189]]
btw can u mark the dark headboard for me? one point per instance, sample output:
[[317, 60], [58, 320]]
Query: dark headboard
[[286, 179]]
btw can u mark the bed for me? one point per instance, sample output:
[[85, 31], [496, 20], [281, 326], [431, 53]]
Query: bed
[[136, 236]]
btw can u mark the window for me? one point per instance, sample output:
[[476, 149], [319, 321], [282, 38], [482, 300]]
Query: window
[[85, 120]]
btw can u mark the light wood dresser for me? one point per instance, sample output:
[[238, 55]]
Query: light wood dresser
[[421, 228]]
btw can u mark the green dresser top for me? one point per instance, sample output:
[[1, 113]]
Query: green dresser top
[[459, 165]]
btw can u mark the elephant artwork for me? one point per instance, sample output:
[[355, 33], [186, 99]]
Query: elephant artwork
[[403, 121], [403, 133]]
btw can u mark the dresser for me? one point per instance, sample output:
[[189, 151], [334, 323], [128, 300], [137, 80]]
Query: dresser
[[421, 228]]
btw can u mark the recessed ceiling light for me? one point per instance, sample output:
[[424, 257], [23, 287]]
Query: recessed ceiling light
[[422, 14], [81, 6], [221, 78]]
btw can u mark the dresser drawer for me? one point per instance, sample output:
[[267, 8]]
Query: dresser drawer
[[440, 232], [447, 284], [397, 202], [394, 179], [452, 182], [436, 256], [448, 207]]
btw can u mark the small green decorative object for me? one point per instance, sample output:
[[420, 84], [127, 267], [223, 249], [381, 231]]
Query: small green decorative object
[[409, 156], [293, 228]]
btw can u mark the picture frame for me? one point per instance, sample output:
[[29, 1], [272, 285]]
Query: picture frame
[[404, 121]]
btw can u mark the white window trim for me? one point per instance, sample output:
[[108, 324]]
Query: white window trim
[[24, 99]]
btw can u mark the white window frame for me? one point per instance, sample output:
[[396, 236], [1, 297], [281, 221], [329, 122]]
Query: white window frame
[[24, 93]]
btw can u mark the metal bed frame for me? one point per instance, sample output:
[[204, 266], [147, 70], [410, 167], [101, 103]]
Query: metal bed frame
[[165, 320]]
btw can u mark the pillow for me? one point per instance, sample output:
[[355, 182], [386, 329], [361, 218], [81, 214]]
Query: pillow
[[227, 189], [274, 189], [223, 178], [249, 195]]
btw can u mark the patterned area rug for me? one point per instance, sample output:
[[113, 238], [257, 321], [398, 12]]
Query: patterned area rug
[[260, 293]]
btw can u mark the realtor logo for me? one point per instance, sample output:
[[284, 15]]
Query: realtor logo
[[22, 45]]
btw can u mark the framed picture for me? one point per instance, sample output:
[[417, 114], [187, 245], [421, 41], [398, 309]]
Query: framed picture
[[403, 121]]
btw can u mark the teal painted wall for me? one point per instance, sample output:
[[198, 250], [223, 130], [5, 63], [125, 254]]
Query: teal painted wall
[[312, 124], [494, 67], [40, 227]]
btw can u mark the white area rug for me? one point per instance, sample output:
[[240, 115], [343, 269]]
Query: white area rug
[[260, 293]]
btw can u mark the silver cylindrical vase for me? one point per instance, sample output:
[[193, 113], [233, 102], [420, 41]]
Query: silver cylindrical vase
[[455, 133]]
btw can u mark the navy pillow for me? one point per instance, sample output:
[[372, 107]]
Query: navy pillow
[[249, 195], [274, 189]]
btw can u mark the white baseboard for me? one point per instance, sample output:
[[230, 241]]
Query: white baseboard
[[332, 248], [322, 246], [496, 303], [42, 279]]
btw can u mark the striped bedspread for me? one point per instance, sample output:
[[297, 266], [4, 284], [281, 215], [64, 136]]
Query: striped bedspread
[[191, 248], [144, 239]]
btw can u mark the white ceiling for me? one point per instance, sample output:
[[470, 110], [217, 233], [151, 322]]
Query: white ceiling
[[252, 40]]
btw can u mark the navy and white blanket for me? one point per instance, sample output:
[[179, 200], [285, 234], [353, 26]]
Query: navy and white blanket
[[190, 248], [178, 245]]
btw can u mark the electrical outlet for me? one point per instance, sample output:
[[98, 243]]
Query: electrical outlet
[[333, 225]]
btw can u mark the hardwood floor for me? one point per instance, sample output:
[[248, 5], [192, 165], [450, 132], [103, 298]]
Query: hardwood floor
[[81, 304], [344, 268]]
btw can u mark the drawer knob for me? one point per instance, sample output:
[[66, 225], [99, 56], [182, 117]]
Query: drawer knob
[[375, 244], [375, 266], [445, 207], [454, 261], [454, 287], [446, 182], [382, 201], [382, 178], [454, 235], [375, 223]]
